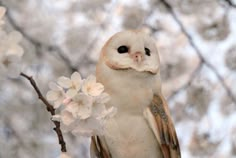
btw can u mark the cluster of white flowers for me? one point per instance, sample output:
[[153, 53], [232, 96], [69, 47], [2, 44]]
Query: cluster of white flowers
[[81, 104], [10, 51]]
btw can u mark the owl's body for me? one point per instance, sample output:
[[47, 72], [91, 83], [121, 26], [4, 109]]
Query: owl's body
[[129, 70], [128, 132]]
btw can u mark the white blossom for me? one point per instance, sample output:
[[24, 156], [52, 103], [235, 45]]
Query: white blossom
[[10, 51], [81, 106], [9, 43], [72, 84], [102, 98], [91, 87], [67, 117], [56, 95], [10, 54], [93, 125], [88, 127], [99, 104], [9, 65], [107, 113], [84, 113]]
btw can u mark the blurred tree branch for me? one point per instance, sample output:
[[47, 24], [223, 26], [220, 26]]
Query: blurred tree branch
[[230, 3], [50, 109], [197, 50], [38, 45], [102, 25]]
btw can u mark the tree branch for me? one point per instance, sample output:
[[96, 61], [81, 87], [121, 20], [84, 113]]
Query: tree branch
[[49, 109], [230, 3], [197, 50]]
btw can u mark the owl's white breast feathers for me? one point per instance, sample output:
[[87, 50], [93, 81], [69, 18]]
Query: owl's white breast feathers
[[131, 85], [131, 92]]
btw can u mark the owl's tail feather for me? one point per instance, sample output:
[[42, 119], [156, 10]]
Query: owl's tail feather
[[98, 148]]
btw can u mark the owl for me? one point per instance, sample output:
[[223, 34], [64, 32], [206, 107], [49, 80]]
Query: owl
[[129, 69]]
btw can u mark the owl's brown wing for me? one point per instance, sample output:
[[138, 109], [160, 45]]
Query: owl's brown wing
[[98, 148], [158, 117]]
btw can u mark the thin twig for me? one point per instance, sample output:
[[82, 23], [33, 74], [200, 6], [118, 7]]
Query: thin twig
[[49, 109], [197, 50], [230, 3]]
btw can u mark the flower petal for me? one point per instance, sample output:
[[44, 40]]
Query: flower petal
[[84, 112], [66, 101], [76, 77], [67, 117], [81, 106], [96, 89], [64, 82], [52, 95], [72, 107], [71, 93], [102, 99], [108, 113], [57, 103], [83, 99], [98, 109], [54, 86], [91, 79]]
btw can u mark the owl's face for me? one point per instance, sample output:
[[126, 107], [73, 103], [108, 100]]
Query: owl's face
[[133, 50]]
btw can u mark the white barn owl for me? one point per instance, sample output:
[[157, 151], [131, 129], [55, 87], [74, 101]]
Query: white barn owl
[[129, 69]]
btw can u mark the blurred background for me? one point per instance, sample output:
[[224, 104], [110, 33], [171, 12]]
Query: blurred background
[[197, 44]]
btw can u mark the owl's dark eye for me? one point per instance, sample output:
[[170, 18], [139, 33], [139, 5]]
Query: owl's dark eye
[[123, 49], [147, 51]]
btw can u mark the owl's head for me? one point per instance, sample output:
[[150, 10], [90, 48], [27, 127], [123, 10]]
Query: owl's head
[[131, 50]]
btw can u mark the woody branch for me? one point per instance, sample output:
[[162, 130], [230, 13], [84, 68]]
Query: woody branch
[[49, 108]]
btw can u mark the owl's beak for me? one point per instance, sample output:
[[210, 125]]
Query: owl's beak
[[137, 57]]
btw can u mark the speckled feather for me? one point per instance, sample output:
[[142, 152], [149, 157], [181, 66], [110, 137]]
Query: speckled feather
[[166, 131]]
